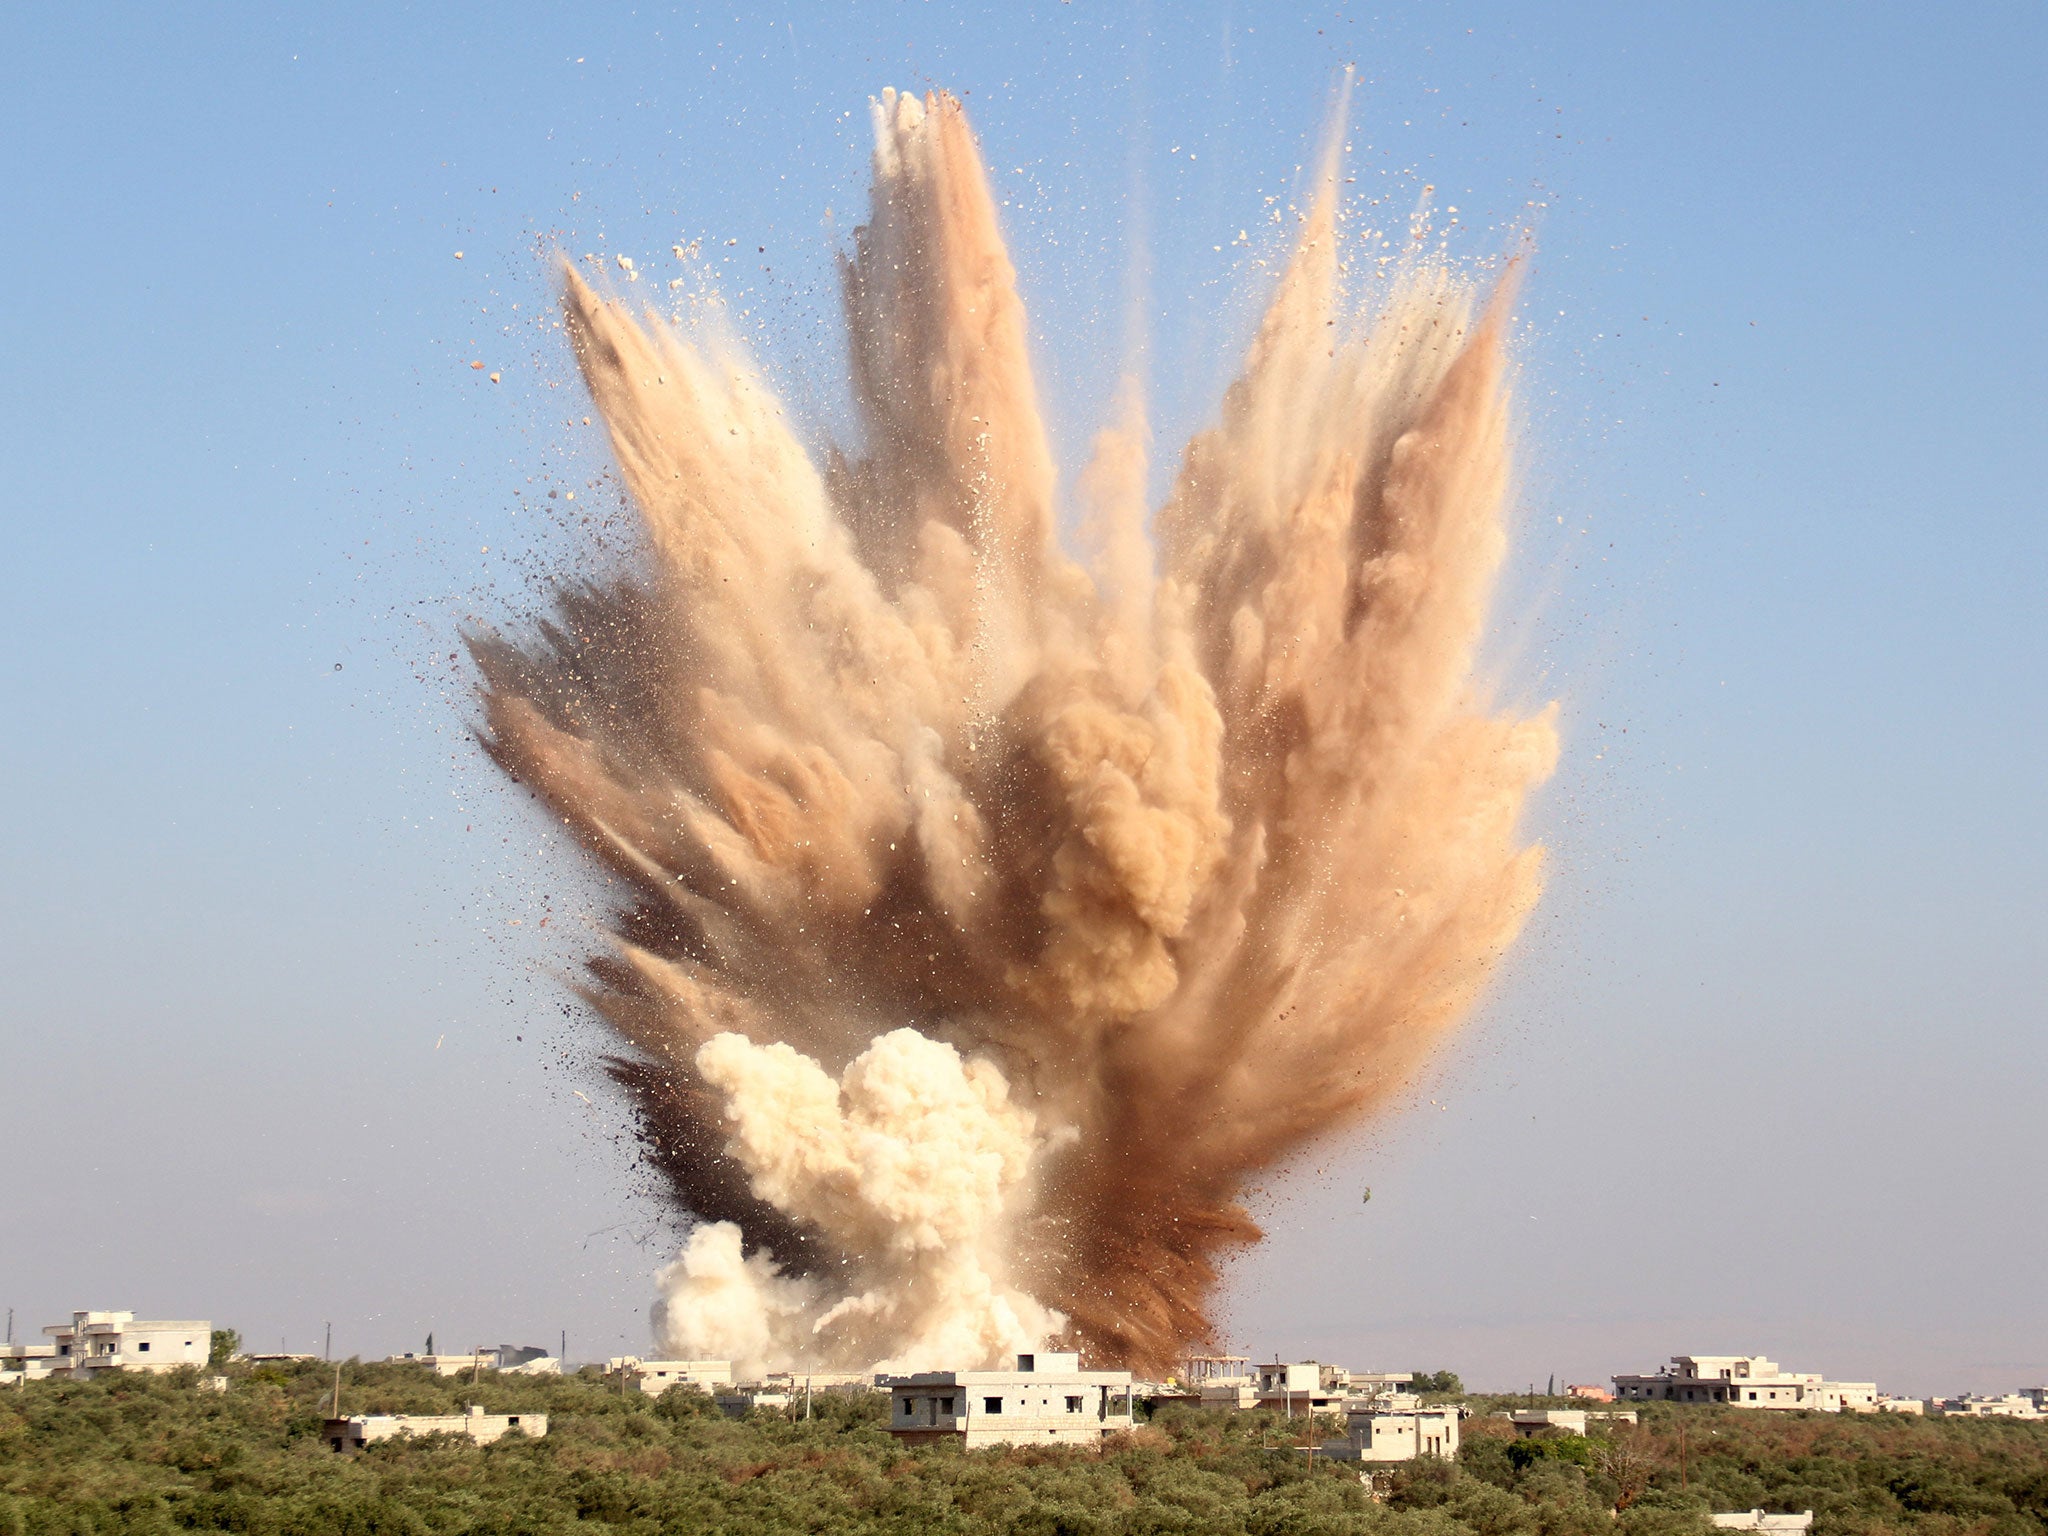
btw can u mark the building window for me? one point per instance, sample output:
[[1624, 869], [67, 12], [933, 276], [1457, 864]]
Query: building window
[[906, 1405], [945, 1405], [1027, 1362], [1073, 1405], [514, 1419], [142, 1349], [991, 1405]]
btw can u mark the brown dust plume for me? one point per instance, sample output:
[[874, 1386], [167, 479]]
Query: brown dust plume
[[996, 912]]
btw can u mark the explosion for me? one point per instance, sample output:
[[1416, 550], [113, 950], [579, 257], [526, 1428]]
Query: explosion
[[995, 912]]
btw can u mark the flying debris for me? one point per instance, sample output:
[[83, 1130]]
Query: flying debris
[[1180, 858]]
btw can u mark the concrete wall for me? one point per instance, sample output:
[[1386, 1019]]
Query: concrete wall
[[1048, 1401], [352, 1434]]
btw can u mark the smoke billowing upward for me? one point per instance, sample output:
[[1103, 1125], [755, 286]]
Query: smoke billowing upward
[[995, 913]]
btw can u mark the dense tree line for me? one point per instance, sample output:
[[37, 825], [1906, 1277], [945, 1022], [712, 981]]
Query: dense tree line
[[163, 1453]]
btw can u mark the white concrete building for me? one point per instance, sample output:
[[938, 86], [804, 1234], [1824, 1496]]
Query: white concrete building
[[1757, 1520], [1198, 1369], [1377, 1434], [1911, 1405], [1570, 1421], [514, 1359], [1231, 1381], [446, 1365], [1303, 1386], [1047, 1400], [29, 1362], [655, 1377], [352, 1434], [1746, 1381], [738, 1402], [2013, 1405], [525, 1360], [1218, 1381], [93, 1342], [802, 1387], [1380, 1383]]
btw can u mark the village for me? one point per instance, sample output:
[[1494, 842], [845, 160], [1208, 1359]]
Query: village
[[1041, 1398]]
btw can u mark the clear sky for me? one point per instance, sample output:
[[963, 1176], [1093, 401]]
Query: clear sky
[[282, 1040]]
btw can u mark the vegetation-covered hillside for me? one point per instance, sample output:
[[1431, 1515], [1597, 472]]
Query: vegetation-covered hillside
[[157, 1454]]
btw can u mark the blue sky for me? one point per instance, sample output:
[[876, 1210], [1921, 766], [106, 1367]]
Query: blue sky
[[283, 1040]]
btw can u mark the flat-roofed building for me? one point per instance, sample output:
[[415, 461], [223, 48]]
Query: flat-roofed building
[[738, 1402], [2012, 1405], [1378, 1434], [1380, 1383], [1047, 1400], [1746, 1381], [450, 1365], [359, 1430], [1302, 1386], [1568, 1421], [1215, 1381], [93, 1342], [1757, 1520], [655, 1377], [29, 1362], [525, 1360]]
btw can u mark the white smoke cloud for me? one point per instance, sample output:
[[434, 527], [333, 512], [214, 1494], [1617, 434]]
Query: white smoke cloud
[[911, 1165]]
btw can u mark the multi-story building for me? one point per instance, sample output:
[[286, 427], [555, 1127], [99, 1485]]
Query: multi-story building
[[1746, 1381], [1378, 1433], [1231, 1381], [1304, 1386], [93, 1342], [2013, 1405], [1047, 1400], [29, 1362], [1217, 1381]]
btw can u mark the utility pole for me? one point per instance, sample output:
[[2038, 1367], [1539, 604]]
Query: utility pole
[[337, 1391], [807, 1397], [327, 1349], [563, 1354]]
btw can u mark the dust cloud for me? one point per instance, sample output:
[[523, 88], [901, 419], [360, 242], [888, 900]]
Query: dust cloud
[[994, 913]]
